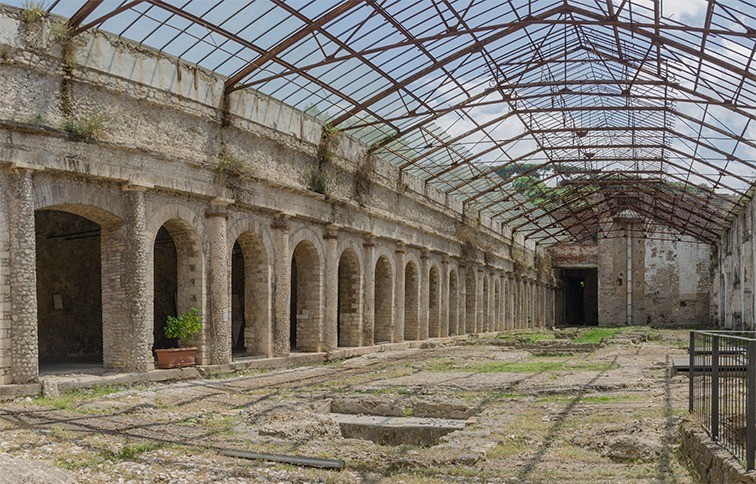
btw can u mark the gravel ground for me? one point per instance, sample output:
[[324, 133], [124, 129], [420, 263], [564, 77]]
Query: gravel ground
[[607, 415]]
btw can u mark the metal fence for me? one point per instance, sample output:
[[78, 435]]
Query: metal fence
[[722, 393]]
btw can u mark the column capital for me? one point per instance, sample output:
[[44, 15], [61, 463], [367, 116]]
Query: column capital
[[368, 242], [401, 248], [281, 221], [445, 259], [331, 232]]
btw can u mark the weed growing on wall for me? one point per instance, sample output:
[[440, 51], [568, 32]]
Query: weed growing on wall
[[315, 176], [60, 31], [229, 164], [34, 11], [85, 125], [316, 179], [363, 183]]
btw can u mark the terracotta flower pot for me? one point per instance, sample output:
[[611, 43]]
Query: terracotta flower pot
[[175, 357]]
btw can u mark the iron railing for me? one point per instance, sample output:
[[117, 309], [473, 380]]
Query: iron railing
[[722, 393]]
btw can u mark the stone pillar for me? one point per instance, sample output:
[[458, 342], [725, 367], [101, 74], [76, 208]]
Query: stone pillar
[[462, 299], [509, 307], [444, 296], [479, 302], [424, 284], [221, 344], [399, 294], [137, 331], [281, 287], [502, 300], [23, 277], [331, 290], [368, 295]]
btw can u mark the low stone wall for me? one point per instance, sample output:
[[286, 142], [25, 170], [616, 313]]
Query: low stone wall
[[713, 463]]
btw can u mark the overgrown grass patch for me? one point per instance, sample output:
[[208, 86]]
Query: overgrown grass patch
[[535, 365], [69, 400], [590, 398]]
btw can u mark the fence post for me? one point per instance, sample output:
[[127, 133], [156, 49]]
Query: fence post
[[715, 387], [751, 406], [691, 369]]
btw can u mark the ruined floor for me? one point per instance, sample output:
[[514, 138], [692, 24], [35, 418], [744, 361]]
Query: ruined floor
[[534, 409]]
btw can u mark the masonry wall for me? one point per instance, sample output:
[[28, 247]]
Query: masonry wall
[[670, 276], [732, 290], [173, 155]]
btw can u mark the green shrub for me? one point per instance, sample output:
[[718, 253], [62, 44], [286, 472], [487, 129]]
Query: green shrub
[[185, 326], [317, 180]]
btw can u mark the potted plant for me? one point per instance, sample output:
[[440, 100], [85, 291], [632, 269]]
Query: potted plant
[[181, 328]]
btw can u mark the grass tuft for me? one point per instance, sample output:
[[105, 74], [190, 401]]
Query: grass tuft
[[34, 11], [86, 126]]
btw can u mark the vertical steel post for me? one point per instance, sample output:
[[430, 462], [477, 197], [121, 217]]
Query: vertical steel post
[[715, 387], [751, 406]]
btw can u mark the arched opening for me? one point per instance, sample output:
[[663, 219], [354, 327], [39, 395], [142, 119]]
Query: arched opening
[[305, 298], [177, 280], [470, 295], [411, 302], [349, 318], [384, 301], [453, 303], [485, 324], [69, 291], [497, 326], [434, 304], [250, 297]]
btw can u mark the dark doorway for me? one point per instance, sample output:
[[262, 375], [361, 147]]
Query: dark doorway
[[582, 297]]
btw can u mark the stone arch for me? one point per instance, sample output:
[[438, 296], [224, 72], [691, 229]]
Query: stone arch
[[471, 292], [349, 318], [306, 296], [434, 302], [93, 202], [250, 285], [384, 300], [484, 324], [176, 235], [453, 302], [80, 301], [496, 326], [411, 301]]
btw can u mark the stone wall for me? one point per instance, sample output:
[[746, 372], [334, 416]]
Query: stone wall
[[732, 292], [670, 276], [173, 158], [712, 462]]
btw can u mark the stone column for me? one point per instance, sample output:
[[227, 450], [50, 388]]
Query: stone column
[[424, 285], [23, 277], [138, 325], [221, 344], [479, 324], [331, 289], [399, 294], [281, 287], [502, 300], [444, 296], [461, 299], [368, 295]]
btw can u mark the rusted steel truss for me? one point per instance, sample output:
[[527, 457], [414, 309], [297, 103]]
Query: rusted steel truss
[[552, 115]]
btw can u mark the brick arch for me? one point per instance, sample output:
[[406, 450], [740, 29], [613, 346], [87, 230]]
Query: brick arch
[[349, 320], [307, 294], [497, 325], [256, 296], [453, 301], [384, 298], [96, 203], [434, 301], [187, 231], [471, 292], [484, 311], [411, 300]]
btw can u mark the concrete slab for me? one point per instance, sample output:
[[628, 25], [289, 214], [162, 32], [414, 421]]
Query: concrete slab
[[396, 430]]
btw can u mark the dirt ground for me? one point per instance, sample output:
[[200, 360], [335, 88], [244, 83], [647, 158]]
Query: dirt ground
[[545, 407]]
